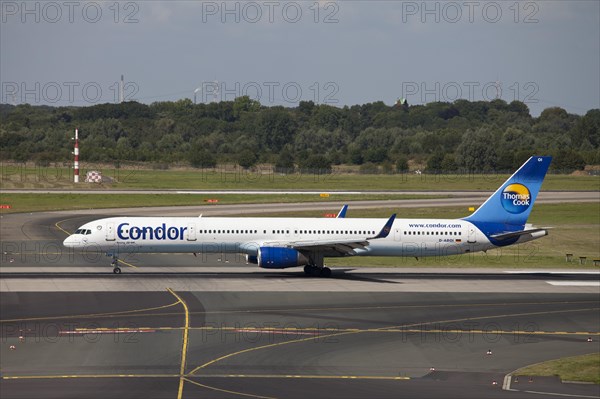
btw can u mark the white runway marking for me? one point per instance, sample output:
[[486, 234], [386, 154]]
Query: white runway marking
[[540, 271], [575, 283]]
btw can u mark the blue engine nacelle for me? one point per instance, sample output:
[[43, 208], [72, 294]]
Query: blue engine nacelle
[[280, 258], [252, 259]]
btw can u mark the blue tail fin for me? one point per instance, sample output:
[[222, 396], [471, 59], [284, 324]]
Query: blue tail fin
[[509, 207]]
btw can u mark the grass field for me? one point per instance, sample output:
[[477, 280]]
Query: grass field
[[53, 202], [584, 368], [13, 177]]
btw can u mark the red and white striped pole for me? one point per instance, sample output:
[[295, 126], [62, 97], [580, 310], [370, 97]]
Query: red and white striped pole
[[76, 163]]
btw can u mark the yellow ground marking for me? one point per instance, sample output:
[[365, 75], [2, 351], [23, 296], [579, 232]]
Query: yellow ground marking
[[294, 376], [127, 264], [292, 330], [57, 224], [306, 376], [227, 391], [191, 373], [93, 315], [49, 377], [500, 316], [101, 315], [184, 346], [337, 334], [325, 309]]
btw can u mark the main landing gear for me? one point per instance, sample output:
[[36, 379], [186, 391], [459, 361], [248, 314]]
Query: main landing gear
[[317, 271]]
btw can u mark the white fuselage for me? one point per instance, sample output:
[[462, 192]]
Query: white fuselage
[[408, 237]]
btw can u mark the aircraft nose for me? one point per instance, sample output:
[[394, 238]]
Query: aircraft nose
[[71, 242]]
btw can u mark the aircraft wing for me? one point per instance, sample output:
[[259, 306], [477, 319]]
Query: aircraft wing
[[343, 247]]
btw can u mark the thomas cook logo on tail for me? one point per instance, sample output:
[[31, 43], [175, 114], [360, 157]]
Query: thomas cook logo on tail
[[516, 198]]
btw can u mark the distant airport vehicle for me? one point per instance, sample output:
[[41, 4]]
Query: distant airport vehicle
[[279, 243]]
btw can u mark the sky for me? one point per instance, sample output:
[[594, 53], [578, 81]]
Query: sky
[[544, 53]]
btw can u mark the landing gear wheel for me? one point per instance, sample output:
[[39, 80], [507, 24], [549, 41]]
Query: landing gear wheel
[[316, 271], [115, 265], [325, 272]]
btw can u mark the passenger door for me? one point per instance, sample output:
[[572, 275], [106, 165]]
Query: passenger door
[[191, 232], [110, 231]]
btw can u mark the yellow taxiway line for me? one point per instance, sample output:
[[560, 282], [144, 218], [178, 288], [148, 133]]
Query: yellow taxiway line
[[184, 346]]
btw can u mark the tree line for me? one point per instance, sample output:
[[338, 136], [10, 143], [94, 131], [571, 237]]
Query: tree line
[[446, 137]]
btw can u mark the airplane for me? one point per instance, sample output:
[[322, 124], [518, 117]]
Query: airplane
[[279, 243]]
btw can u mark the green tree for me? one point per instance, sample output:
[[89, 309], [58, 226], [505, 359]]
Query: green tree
[[402, 164], [477, 151], [588, 128], [434, 162], [247, 158], [315, 163], [375, 155], [244, 104], [285, 161], [276, 128], [567, 160], [449, 163], [200, 157]]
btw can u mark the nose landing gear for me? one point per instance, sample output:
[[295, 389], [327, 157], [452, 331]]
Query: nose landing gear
[[115, 264]]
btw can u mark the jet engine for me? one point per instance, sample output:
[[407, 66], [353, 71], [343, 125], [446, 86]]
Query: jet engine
[[280, 258]]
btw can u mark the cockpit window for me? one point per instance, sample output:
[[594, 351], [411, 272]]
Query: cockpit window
[[78, 231], [83, 231], [88, 232]]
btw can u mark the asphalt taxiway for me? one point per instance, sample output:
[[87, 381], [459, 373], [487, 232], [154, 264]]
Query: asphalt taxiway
[[287, 344], [179, 328]]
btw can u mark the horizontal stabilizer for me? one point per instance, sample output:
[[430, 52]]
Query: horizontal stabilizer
[[506, 236]]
